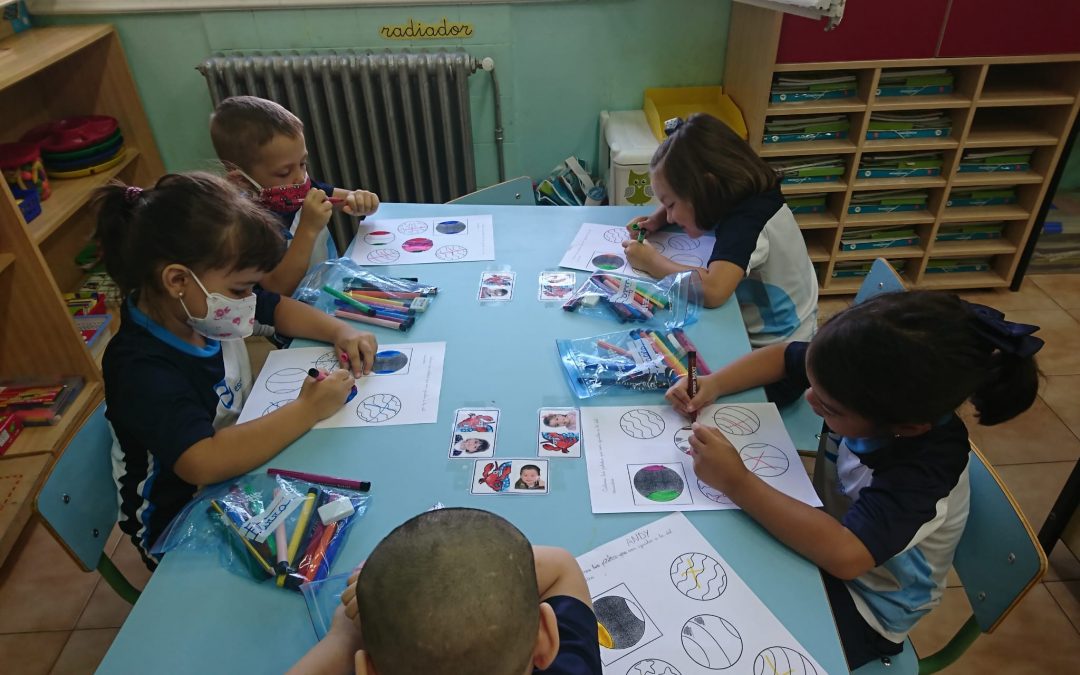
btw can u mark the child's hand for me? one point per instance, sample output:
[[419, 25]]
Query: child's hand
[[361, 203], [345, 632], [348, 597], [650, 224], [326, 397], [315, 213], [359, 346], [680, 399], [716, 461], [641, 256]]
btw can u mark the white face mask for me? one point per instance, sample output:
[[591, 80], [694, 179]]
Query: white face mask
[[226, 318]]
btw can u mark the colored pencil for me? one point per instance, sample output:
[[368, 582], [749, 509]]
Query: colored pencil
[[680, 334], [402, 326], [248, 544], [672, 362], [613, 348], [331, 481], [344, 298], [691, 379]]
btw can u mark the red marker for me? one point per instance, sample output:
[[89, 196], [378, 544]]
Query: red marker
[[317, 374]]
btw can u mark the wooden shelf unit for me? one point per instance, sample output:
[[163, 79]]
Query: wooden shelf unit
[[997, 102], [56, 72]]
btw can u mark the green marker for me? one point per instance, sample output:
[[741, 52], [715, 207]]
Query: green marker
[[366, 309], [641, 232]]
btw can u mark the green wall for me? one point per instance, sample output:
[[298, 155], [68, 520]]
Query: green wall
[[559, 65]]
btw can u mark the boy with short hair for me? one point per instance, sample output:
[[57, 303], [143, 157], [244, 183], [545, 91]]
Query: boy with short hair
[[462, 592], [262, 146]]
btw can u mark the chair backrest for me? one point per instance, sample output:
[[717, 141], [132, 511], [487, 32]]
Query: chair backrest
[[78, 500], [881, 279], [999, 557], [514, 192]]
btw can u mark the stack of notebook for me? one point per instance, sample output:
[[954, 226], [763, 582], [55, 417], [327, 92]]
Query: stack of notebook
[[806, 128], [797, 87], [954, 265], [814, 169], [969, 231], [915, 82], [860, 268], [865, 238], [981, 196], [988, 161], [909, 124], [900, 165], [888, 201], [811, 203]]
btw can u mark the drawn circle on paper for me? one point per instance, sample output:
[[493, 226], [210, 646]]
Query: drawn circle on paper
[[378, 408], [275, 405], [379, 238], [698, 576], [681, 242], [417, 245], [736, 420], [714, 495], [653, 667], [658, 483], [450, 227], [623, 619], [767, 461], [286, 381], [711, 641], [411, 227], [616, 235], [783, 660], [328, 361], [660, 248], [451, 252], [688, 259], [389, 361], [641, 424], [383, 255], [608, 261], [682, 439]]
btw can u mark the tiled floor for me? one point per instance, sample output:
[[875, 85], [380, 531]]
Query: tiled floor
[[56, 619]]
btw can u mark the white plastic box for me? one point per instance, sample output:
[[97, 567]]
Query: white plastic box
[[628, 146]]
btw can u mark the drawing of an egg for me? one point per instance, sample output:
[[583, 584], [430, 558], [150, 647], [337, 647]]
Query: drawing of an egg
[[711, 641], [417, 245], [378, 237]]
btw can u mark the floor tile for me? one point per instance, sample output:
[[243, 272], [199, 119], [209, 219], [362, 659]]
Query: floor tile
[[1030, 296], [83, 652], [1064, 566], [1062, 394], [1036, 435], [1035, 487], [1064, 289], [831, 305], [1061, 331], [41, 588], [1067, 596], [106, 609], [31, 653]]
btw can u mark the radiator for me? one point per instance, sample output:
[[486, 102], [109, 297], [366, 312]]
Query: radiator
[[396, 123]]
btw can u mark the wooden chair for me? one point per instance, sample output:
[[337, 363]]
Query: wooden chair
[[78, 501], [514, 192], [998, 559]]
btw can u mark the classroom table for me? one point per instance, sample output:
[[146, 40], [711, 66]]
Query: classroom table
[[196, 617]]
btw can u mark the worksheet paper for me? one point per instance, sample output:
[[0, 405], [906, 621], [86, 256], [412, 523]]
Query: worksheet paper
[[408, 241], [599, 247], [636, 456], [669, 604], [403, 388]]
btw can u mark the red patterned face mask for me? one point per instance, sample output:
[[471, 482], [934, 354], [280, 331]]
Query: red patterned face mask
[[282, 198]]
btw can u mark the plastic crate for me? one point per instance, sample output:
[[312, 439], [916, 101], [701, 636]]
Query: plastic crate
[[661, 104], [92, 327]]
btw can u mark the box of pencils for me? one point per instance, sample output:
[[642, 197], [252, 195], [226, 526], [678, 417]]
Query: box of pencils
[[674, 300]]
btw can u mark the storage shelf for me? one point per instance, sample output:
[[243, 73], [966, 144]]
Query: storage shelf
[[810, 188], [960, 214], [817, 250], [950, 249], [24, 54], [996, 178], [5, 260], [822, 107], [815, 221], [70, 195], [33, 440], [18, 503], [874, 253], [1000, 136], [962, 280], [909, 144], [894, 218], [935, 102], [841, 286], [1020, 95], [838, 146], [899, 183]]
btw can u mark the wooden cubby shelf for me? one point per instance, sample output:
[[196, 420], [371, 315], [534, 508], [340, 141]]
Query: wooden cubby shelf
[[811, 188], [954, 100], [817, 107], [5, 260], [813, 221]]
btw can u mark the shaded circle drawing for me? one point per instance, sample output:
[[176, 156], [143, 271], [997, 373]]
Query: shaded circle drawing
[[623, 619], [681, 242], [450, 227], [412, 227], [767, 461], [383, 255], [451, 252], [417, 245], [328, 361], [379, 238], [653, 667], [658, 483], [711, 641], [275, 405], [714, 495], [608, 261], [783, 661], [389, 361], [682, 439], [378, 408], [736, 420], [641, 424], [286, 381], [698, 576], [688, 259], [616, 235]]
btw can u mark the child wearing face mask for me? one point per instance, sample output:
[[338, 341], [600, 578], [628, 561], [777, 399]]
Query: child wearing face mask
[[187, 256], [262, 145]]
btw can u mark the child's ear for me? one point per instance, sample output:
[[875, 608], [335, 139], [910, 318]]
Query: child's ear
[[547, 638], [175, 279], [911, 429]]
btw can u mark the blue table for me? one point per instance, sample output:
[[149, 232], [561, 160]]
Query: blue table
[[196, 617]]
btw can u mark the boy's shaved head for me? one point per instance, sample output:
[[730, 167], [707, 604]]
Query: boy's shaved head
[[240, 125], [450, 592]]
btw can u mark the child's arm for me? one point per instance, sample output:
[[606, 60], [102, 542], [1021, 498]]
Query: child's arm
[[718, 280], [314, 215], [653, 222], [557, 573], [358, 202], [335, 653], [295, 319], [810, 532], [758, 368]]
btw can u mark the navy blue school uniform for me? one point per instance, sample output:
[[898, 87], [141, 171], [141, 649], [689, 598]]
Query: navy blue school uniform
[[579, 646]]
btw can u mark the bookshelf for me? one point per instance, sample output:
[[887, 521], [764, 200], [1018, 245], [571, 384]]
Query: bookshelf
[[996, 103], [56, 72]]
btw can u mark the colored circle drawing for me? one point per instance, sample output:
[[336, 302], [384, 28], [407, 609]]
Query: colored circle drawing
[[653, 667], [623, 619], [378, 408], [714, 495], [608, 261], [379, 238], [417, 245], [451, 252], [389, 361], [783, 660], [641, 424], [658, 483], [687, 259], [712, 642], [767, 461], [275, 405], [736, 420], [411, 227], [328, 361], [682, 439], [681, 242], [616, 235], [383, 256], [450, 227], [286, 381], [698, 576]]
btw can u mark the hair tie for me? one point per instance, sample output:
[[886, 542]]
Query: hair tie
[[672, 125], [999, 333], [131, 195]]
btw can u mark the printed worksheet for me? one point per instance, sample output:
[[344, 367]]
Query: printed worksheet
[[667, 603], [403, 387], [637, 456], [409, 241], [599, 247]]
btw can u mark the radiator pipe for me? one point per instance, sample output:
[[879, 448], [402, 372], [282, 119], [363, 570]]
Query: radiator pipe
[[488, 64]]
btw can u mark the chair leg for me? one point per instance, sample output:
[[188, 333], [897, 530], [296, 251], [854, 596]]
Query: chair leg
[[952, 651], [117, 580]]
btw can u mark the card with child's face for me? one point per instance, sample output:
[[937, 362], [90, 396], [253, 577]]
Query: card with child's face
[[474, 433], [510, 477], [558, 434], [556, 286], [496, 287]]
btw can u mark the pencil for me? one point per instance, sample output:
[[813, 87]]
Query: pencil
[[247, 542], [691, 379]]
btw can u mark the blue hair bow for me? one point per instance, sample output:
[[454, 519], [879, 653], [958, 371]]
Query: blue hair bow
[[1009, 337], [672, 125]]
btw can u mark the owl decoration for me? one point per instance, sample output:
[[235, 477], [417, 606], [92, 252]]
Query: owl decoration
[[638, 189]]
